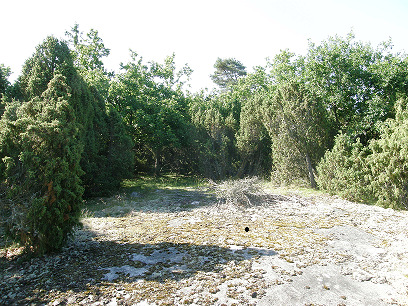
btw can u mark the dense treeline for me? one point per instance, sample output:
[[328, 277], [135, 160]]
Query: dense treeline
[[335, 118]]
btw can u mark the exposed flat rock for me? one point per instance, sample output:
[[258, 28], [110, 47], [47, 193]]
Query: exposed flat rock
[[296, 251]]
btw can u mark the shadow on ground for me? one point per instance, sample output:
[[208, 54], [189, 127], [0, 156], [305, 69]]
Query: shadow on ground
[[168, 201], [158, 200], [89, 266]]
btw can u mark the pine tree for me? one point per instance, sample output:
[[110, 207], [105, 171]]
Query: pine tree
[[227, 72]]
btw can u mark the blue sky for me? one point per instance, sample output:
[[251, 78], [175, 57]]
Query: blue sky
[[199, 31]]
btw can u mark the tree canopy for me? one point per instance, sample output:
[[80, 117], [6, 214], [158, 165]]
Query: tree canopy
[[227, 72], [4, 74]]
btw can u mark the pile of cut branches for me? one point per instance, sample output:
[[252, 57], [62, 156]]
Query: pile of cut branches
[[243, 192]]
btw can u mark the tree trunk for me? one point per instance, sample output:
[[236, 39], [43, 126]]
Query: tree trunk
[[242, 167], [156, 157], [310, 170]]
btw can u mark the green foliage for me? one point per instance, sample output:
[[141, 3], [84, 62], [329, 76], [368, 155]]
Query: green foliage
[[149, 184], [215, 131], [45, 142], [169, 78], [154, 109], [107, 156], [5, 72], [252, 138], [373, 174], [389, 161], [40, 151], [120, 157], [297, 124], [285, 67], [227, 72], [344, 170], [41, 148], [357, 82], [232, 140], [87, 53], [4, 85], [51, 57]]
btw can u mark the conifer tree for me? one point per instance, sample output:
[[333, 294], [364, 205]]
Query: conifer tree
[[298, 127], [41, 150], [4, 74], [227, 72], [42, 145], [53, 57]]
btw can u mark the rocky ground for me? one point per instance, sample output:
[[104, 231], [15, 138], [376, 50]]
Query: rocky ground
[[181, 246]]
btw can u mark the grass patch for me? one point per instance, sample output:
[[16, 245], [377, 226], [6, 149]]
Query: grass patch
[[146, 184]]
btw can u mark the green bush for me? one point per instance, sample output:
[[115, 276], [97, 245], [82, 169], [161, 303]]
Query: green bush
[[298, 128], [389, 161], [108, 156], [213, 128], [344, 170], [45, 142], [40, 152], [377, 173]]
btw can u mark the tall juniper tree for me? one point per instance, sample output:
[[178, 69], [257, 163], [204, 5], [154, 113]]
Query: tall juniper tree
[[57, 126], [41, 149], [298, 127]]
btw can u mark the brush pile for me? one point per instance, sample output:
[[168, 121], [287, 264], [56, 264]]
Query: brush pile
[[245, 192]]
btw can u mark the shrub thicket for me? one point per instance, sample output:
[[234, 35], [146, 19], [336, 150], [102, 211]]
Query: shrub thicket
[[40, 151], [344, 170], [377, 173], [389, 161], [45, 143]]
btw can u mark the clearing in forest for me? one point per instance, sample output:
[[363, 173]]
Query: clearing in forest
[[165, 245]]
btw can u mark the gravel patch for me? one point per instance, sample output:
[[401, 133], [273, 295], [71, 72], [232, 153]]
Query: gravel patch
[[171, 250]]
